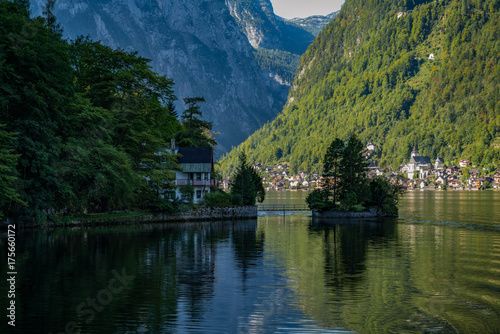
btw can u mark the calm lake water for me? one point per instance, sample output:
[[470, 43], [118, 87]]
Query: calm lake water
[[434, 269]]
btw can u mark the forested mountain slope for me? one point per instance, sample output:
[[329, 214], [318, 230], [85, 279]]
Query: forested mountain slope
[[399, 74]]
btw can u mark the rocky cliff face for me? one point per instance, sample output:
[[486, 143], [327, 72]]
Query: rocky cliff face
[[199, 44], [266, 30]]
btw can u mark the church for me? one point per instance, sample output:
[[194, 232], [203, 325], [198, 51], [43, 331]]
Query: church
[[417, 163]]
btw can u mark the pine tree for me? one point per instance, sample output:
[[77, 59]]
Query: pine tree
[[246, 186], [195, 131]]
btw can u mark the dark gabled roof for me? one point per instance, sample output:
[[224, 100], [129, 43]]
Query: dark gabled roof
[[195, 155], [421, 160]]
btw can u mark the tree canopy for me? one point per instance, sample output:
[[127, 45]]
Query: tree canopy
[[246, 186], [195, 132], [83, 127], [345, 185]]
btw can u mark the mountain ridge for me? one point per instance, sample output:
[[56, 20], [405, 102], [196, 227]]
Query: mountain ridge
[[198, 44], [398, 74]]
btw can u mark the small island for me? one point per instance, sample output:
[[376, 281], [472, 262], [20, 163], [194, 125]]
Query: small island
[[345, 190]]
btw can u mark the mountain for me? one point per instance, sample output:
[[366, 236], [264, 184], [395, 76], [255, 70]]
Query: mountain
[[313, 24], [201, 46], [278, 42], [399, 74]]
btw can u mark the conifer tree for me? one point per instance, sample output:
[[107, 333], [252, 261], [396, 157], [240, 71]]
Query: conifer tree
[[246, 186], [195, 131]]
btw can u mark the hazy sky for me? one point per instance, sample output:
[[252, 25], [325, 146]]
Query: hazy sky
[[303, 8]]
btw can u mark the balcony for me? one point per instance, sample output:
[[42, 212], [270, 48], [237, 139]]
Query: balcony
[[197, 183]]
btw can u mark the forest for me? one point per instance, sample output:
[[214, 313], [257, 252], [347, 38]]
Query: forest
[[83, 127], [283, 63], [427, 77]]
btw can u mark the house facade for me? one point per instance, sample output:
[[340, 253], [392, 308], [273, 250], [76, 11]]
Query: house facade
[[196, 165]]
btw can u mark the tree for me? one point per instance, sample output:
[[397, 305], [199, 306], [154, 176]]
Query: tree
[[50, 18], [36, 85], [131, 107], [247, 186], [384, 195], [352, 181], [345, 183], [195, 131], [8, 162], [332, 169]]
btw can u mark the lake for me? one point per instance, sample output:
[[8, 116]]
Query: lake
[[435, 269]]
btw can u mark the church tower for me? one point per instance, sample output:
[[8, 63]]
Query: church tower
[[414, 153]]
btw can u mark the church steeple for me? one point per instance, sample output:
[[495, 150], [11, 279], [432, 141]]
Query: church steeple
[[414, 153]]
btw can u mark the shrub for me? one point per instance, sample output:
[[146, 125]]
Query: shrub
[[217, 199]]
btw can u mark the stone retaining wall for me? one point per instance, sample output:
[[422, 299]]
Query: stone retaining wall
[[339, 214], [220, 213], [198, 214]]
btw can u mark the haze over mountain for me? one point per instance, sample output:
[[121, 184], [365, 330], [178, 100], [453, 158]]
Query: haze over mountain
[[207, 47], [400, 74]]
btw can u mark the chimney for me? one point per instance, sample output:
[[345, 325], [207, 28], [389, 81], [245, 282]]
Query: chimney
[[172, 144]]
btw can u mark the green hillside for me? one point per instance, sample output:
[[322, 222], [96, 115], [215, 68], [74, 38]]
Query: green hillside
[[372, 73]]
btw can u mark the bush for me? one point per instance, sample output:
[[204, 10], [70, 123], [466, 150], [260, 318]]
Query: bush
[[187, 193], [384, 195], [217, 199], [319, 200]]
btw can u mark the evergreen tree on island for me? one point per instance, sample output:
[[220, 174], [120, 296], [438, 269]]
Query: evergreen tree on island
[[346, 186]]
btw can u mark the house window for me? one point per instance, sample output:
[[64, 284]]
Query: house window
[[198, 194]]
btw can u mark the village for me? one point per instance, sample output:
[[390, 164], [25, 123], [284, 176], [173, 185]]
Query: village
[[420, 173]]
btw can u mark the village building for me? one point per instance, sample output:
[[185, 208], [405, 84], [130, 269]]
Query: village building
[[439, 164], [196, 165], [420, 164], [451, 169], [440, 181], [464, 163]]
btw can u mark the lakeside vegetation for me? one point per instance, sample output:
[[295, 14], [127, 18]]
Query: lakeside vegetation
[[428, 77], [84, 128], [346, 186]]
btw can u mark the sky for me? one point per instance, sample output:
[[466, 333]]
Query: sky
[[304, 8]]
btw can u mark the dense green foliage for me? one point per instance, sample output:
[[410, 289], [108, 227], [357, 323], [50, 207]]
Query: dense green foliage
[[281, 62], [246, 185], [195, 131], [346, 186], [83, 127], [217, 198], [8, 161], [368, 72]]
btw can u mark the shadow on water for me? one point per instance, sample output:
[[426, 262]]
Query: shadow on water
[[346, 242], [122, 279]]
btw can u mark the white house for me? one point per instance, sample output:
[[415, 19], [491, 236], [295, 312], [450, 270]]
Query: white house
[[196, 165], [464, 163], [371, 146]]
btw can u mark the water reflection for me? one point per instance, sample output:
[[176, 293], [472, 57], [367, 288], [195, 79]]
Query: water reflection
[[279, 273]]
